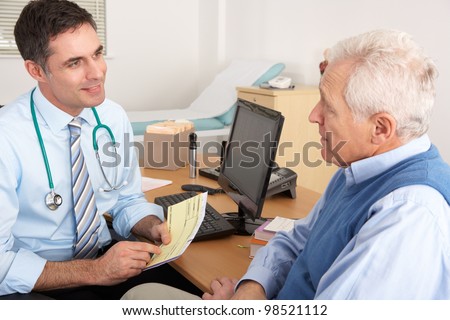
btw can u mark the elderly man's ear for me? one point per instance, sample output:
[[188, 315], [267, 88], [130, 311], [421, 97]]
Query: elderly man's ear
[[384, 128]]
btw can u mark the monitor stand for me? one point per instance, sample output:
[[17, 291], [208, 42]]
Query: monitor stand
[[243, 226]]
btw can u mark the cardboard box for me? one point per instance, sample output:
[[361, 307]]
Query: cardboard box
[[166, 145]]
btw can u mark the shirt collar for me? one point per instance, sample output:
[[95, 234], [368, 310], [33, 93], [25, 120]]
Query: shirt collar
[[364, 169], [55, 118]]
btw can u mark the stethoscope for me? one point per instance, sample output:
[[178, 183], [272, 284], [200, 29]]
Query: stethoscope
[[54, 200]]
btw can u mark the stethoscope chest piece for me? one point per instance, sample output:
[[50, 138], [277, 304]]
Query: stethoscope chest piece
[[53, 200]]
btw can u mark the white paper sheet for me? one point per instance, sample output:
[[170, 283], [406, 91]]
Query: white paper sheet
[[150, 183], [183, 220], [280, 224]]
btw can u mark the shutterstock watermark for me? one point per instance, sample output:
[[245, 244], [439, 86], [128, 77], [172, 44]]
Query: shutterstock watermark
[[247, 154]]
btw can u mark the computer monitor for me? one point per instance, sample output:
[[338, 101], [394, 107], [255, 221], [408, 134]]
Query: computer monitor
[[248, 161]]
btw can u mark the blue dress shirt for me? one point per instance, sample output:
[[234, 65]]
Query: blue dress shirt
[[405, 255], [30, 233]]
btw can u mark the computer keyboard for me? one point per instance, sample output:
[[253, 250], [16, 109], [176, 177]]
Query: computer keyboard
[[213, 225]]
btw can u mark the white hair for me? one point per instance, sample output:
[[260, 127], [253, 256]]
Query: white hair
[[391, 74]]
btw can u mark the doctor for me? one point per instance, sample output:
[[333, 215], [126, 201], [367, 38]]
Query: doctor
[[43, 248]]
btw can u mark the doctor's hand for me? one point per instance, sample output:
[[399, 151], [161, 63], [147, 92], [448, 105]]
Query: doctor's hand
[[122, 261], [153, 229]]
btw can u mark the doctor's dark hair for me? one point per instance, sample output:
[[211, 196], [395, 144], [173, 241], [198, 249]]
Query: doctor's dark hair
[[43, 20]]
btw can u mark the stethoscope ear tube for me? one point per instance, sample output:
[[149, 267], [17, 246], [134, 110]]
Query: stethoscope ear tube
[[52, 199]]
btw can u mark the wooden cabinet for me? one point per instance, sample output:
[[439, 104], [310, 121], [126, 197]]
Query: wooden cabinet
[[300, 146]]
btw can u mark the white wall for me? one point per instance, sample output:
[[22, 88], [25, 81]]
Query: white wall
[[153, 47], [163, 54]]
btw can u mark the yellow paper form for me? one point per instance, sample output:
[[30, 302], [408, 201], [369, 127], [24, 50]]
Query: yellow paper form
[[183, 220]]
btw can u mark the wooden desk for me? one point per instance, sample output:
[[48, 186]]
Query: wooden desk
[[205, 260]]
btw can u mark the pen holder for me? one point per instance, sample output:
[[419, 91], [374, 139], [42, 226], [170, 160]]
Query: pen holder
[[166, 145]]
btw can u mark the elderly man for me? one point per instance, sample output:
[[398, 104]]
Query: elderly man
[[381, 230]]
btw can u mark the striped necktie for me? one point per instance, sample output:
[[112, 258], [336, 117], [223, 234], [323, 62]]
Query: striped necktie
[[86, 215]]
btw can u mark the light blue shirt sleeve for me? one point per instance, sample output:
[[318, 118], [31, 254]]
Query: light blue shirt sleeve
[[272, 263], [19, 268]]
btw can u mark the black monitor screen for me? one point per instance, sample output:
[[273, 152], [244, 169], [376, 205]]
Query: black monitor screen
[[249, 157]]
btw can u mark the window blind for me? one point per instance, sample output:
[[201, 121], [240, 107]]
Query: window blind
[[11, 9]]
